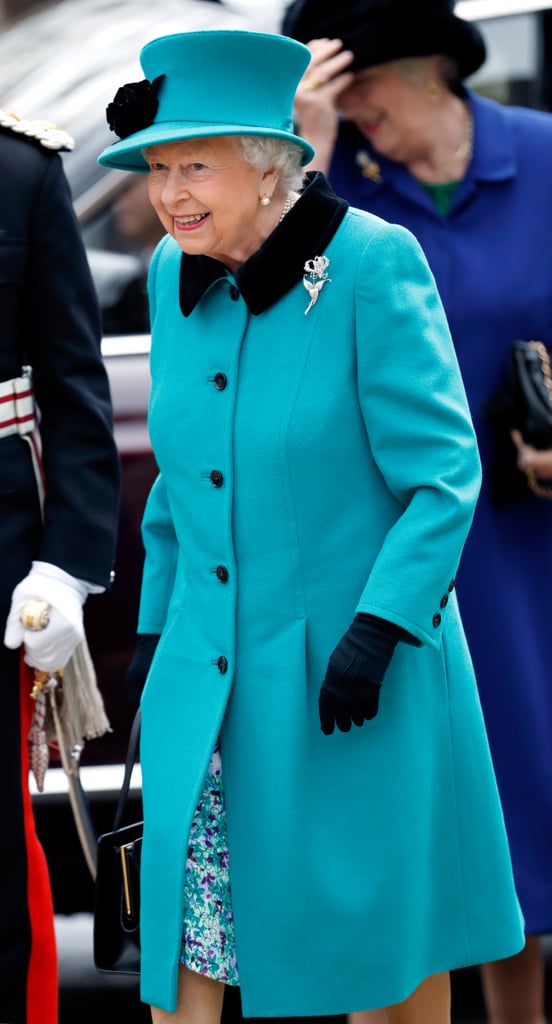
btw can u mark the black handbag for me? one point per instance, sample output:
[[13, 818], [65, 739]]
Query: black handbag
[[117, 896], [523, 401]]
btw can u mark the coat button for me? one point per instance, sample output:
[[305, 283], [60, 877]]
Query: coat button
[[436, 620], [222, 664], [220, 381], [216, 478], [222, 573], [234, 293], [452, 585], [444, 601]]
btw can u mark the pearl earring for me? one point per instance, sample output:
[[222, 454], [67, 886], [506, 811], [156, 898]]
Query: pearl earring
[[265, 200]]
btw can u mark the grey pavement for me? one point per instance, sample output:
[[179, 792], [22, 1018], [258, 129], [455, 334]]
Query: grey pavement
[[86, 996]]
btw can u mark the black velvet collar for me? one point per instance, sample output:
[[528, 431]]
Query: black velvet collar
[[279, 264]]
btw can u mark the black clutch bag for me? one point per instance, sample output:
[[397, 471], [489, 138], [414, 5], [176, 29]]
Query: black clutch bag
[[117, 895], [523, 401]]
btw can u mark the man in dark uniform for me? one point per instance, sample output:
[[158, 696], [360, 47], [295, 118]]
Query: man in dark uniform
[[58, 554]]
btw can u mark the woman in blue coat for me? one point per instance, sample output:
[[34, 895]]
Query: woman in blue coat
[[468, 177], [318, 475]]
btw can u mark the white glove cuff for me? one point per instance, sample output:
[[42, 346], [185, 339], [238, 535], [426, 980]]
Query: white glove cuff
[[58, 579]]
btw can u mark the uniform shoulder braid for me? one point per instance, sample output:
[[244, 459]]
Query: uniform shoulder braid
[[44, 132]]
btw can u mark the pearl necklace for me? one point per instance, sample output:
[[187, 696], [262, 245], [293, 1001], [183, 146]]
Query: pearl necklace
[[291, 200]]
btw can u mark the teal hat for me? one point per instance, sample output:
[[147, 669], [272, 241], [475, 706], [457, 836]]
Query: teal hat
[[207, 83]]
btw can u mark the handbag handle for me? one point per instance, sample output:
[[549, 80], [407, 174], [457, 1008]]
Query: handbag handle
[[132, 753]]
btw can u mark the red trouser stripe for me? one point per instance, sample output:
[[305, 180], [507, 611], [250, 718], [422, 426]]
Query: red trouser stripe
[[42, 977]]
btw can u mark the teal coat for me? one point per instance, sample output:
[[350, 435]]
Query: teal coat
[[360, 863]]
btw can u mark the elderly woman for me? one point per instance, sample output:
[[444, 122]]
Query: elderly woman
[[384, 104], [328, 838]]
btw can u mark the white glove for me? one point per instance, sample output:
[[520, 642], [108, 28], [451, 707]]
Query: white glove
[[50, 648]]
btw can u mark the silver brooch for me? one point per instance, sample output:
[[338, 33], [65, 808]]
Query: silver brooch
[[315, 278]]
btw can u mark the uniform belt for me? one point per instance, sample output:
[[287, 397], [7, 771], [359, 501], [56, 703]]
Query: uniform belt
[[17, 410]]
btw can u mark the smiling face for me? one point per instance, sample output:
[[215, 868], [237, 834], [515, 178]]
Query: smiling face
[[389, 105], [208, 198]]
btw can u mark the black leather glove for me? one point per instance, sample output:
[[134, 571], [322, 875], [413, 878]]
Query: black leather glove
[[351, 688], [136, 675]]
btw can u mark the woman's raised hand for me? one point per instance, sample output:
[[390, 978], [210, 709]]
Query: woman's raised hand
[[317, 94]]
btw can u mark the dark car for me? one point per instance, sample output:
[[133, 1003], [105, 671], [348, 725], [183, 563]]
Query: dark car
[[111, 628]]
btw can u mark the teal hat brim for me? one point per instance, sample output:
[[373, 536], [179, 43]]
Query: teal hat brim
[[126, 155]]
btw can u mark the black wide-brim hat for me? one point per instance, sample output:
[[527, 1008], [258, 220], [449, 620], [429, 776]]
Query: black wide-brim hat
[[378, 31]]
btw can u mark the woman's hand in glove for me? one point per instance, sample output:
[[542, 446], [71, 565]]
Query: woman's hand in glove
[[137, 672], [48, 648], [351, 688]]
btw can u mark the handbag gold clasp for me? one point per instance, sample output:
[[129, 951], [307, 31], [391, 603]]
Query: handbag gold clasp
[[126, 885]]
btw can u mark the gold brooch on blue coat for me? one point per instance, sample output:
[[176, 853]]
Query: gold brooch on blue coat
[[315, 278], [368, 167]]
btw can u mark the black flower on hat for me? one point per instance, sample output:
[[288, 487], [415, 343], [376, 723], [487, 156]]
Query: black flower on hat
[[133, 107]]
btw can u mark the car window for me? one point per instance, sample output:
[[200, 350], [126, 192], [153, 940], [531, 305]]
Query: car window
[[514, 69]]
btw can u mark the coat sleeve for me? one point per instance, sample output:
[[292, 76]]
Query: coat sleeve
[[161, 559], [62, 341], [420, 432]]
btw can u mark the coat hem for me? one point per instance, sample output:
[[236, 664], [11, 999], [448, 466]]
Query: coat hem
[[253, 1008]]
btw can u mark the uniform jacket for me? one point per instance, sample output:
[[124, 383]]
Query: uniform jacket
[[311, 466], [49, 319], [492, 260]]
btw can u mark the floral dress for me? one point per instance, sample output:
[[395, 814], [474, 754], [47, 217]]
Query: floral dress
[[208, 946]]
